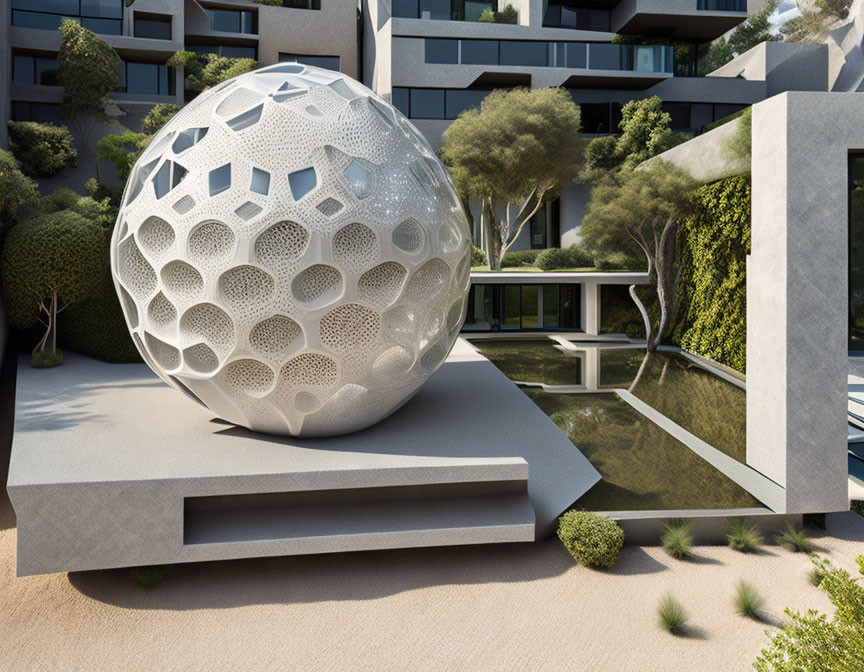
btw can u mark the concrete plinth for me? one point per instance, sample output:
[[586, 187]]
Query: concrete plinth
[[110, 468]]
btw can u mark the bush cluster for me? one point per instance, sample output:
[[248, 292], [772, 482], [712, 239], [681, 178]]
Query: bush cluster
[[594, 540], [570, 257], [516, 258], [41, 149], [713, 246], [478, 256], [508, 15]]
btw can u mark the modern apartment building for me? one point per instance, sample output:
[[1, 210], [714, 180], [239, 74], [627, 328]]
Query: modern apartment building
[[432, 58]]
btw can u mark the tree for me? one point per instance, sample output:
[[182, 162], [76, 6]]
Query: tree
[[88, 70], [41, 149], [49, 262], [201, 71], [158, 116], [122, 149], [643, 207], [812, 641], [517, 151], [16, 190]]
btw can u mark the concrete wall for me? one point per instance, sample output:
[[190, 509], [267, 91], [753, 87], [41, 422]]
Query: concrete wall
[[797, 283], [782, 66]]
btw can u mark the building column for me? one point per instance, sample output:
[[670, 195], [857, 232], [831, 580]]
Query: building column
[[591, 308]]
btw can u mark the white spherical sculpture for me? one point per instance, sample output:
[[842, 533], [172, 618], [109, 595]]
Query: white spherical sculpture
[[291, 253]]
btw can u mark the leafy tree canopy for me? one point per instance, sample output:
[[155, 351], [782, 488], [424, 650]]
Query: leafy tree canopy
[[641, 209], [158, 116], [41, 149], [755, 30], [16, 190], [201, 71], [812, 641], [122, 149], [516, 151], [88, 70]]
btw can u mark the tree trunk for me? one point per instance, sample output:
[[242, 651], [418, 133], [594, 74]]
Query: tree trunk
[[491, 238], [53, 323], [645, 318], [663, 264]]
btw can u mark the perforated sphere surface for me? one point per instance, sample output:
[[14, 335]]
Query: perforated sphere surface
[[291, 253]]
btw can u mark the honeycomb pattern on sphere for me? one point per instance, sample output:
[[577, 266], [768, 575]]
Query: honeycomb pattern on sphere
[[290, 253]]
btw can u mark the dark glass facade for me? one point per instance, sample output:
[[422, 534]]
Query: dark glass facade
[[590, 55], [722, 5], [148, 78], [233, 21], [100, 16], [524, 307], [328, 62], [441, 10], [152, 26], [856, 251], [573, 14], [41, 112], [436, 103], [34, 70]]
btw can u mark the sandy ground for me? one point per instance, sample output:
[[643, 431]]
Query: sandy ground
[[508, 607]]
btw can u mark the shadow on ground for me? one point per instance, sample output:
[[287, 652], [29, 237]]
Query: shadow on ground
[[344, 576]]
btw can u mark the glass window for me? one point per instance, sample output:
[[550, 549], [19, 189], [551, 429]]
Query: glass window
[[148, 78], [604, 57], [406, 9], [512, 307], [103, 9], [460, 100], [22, 69], [479, 52], [576, 55], [40, 112], [35, 20], [229, 51], [400, 100], [856, 251], [103, 26], [427, 103], [69, 7], [550, 306], [232, 21], [679, 114], [479, 315], [724, 110], [596, 118], [530, 306], [524, 53], [153, 26], [435, 9], [442, 51], [701, 114], [570, 307], [472, 9], [46, 71], [328, 62]]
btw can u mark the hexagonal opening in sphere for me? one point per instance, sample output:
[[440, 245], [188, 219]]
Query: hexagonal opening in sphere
[[303, 272]]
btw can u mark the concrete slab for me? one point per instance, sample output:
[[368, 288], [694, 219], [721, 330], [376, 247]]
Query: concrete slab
[[109, 467]]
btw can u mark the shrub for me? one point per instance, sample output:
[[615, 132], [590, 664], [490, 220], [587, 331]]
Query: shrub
[[815, 576], [618, 261], [478, 256], [516, 258], [570, 257], [797, 541], [743, 537], [45, 359], [150, 577], [201, 71], [671, 615], [857, 505], [676, 538], [748, 601], [594, 540], [16, 190], [41, 149], [158, 116], [122, 149], [713, 245], [508, 15]]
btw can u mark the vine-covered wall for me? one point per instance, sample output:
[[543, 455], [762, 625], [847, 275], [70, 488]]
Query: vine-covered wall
[[713, 245]]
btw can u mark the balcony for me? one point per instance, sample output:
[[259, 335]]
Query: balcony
[[441, 10], [688, 20]]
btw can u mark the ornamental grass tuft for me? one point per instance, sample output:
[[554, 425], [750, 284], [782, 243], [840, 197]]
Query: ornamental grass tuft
[[748, 601], [797, 541], [676, 538], [671, 615], [744, 537]]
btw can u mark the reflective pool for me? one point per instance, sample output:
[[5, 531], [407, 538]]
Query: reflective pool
[[643, 467]]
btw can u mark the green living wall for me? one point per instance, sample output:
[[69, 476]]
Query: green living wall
[[713, 245]]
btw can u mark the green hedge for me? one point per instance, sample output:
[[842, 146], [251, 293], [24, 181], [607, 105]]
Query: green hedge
[[41, 149], [478, 256], [516, 258], [712, 251], [569, 257], [594, 540]]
